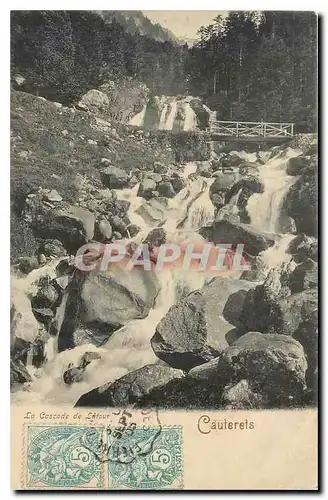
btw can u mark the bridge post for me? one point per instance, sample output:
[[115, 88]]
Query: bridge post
[[237, 129]]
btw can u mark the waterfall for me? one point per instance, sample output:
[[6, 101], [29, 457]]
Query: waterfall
[[201, 211], [190, 122], [168, 109], [168, 114], [249, 157], [277, 254], [170, 118], [190, 168], [264, 208], [162, 120], [22, 288], [138, 120], [129, 347]]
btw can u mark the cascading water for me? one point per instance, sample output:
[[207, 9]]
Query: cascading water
[[190, 122], [162, 120], [264, 208], [201, 211], [168, 114], [129, 347], [138, 120], [173, 112], [170, 119]]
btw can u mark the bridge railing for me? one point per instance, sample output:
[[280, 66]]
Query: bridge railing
[[251, 129]]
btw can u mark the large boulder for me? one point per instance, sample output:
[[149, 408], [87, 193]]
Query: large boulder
[[178, 183], [256, 371], [28, 264], [103, 230], [239, 194], [223, 231], [21, 350], [194, 330], [307, 335], [153, 212], [302, 247], [146, 188], [166, 189], [304, 276], [46, 296], [231, 160], [274, 365], [249, 185], [94, 100], [103, 301], [241, 396], [223, 181], [52, 196], [75, 374], [72, 226], [271, 308], [18, 373], [52, 248], [297, 164], [301, 203], [131, 389], [286, 224], [114, 177]]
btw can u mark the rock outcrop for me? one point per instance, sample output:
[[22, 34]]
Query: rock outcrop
[[273, 308], [301, 201], [114, 177], [94, 100], [131, 389], [274, 365], [101, 302], [194, 330], [223, 231]]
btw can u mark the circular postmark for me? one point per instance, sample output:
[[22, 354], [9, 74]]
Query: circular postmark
[[128, 434], [57, 457]]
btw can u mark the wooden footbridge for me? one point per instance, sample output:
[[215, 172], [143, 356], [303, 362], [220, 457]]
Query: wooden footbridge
[[250, 131]]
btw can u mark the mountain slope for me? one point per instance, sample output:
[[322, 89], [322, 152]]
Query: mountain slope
[[135, 22]]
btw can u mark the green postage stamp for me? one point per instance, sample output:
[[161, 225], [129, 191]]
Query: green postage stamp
[[64, 457]]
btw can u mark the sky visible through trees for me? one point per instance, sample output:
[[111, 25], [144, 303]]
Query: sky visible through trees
[[246, 65]]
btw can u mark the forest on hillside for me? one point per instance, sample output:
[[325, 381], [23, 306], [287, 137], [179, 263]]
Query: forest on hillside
[[252, 66], [63, 54], [247, 65]]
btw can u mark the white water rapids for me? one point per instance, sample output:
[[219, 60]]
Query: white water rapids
[[129, 347], [169, 109]]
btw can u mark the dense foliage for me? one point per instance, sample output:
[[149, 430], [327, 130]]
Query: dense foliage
[[247, 65], [252, 66], [62, 54]]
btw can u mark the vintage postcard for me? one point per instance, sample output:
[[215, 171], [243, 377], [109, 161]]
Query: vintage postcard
[[164, 250]]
